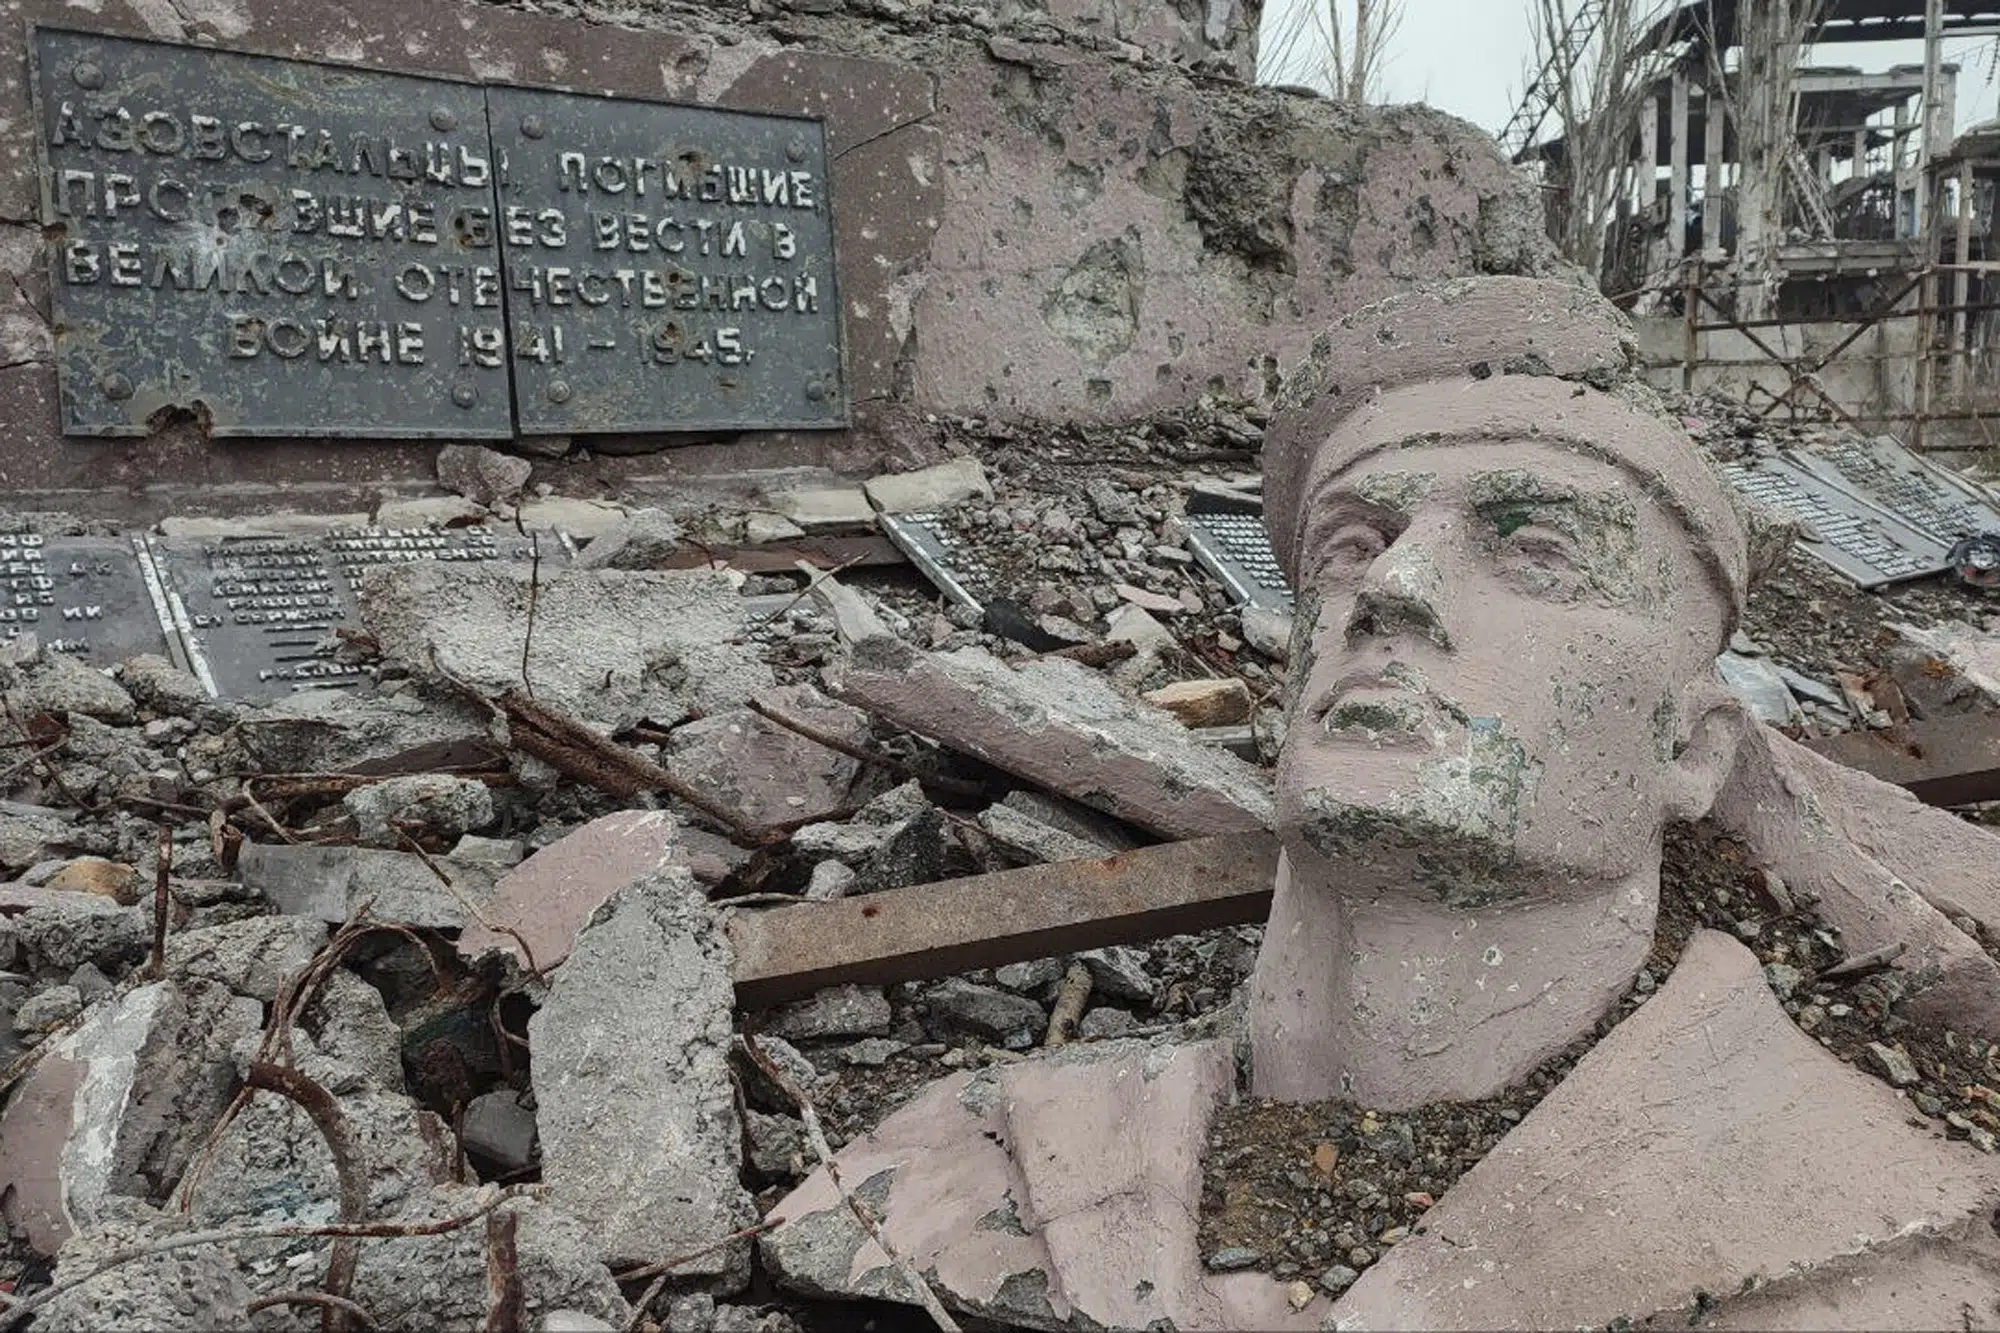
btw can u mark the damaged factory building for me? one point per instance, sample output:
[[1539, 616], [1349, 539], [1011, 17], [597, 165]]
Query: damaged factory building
[[805, 666]]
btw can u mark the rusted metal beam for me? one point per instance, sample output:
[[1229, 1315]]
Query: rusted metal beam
[[932, 931], [1946, 761], [864, 551]]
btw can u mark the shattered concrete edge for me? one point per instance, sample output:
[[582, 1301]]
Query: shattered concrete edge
[[1061, 725]]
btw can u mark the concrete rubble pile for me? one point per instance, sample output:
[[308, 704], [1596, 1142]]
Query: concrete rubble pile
[[490, 971], [417, 1001]]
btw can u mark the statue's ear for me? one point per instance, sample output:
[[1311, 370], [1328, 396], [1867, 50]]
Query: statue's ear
[[1714, 722]]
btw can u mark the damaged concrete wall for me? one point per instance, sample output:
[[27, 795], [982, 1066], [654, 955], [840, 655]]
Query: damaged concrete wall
[[1874, 378], [1038, 215]]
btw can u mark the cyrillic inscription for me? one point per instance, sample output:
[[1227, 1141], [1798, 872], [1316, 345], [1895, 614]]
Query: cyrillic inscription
[[258, 615], [286, 248], [228, 235], [82, 596], [667, 266]]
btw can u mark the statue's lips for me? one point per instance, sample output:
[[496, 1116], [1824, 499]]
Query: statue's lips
[[1367, 706]]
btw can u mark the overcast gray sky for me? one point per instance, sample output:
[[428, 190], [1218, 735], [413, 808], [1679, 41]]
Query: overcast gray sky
[[1467, 57]]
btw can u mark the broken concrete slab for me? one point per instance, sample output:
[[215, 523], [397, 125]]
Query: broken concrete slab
[[1061, 1192], [1032, 841], [898, 838], [273, 1164], [1971, 653], [767, 774], [195, 1289], [1757, 683], [61, 930], [484, 476], [1706, 1116], [439, 1282], [157, 684], [635, 1105], [332, 731], [349, 1022], [929, 488], [837, 1011], [1060, 725], [117, 1106], [608, 647], [548, 897], [642, 539], [251, 958], [1884, 868], [1936, 1280], [959, 1008], [330, 883], [430, 511], [57, 683], [27, 839], [441, 805], [825, 508]]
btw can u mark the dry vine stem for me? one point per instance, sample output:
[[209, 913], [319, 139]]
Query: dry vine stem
[[920, 1288], [160, 881], [12, 1316], [661, 1271], [505, 1299], [324, 1110], [1068, 1010]]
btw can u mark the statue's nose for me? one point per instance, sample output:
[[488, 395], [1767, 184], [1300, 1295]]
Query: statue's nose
[[1402, 593]]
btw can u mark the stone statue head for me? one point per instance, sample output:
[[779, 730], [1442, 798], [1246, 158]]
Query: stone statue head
[[1513, 576]]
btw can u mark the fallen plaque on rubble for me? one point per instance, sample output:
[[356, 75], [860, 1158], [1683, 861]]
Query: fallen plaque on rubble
[[257, 615], [1873, 510], [84, 596], [1237, 550], [279, 247]]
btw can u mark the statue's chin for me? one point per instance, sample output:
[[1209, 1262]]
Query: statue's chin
[[1361, 848]]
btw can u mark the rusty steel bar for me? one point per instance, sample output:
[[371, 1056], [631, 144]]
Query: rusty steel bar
[[932, 931], [866, 552], [1946, 761]]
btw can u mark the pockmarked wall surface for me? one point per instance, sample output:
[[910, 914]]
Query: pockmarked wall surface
[[1033, 216]]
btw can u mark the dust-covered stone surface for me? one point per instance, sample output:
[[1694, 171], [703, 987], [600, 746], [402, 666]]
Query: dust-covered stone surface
[[473, 987], [635, 1032]]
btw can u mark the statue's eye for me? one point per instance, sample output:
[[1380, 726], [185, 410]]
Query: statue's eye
[[1354, 545], [1544, 544]]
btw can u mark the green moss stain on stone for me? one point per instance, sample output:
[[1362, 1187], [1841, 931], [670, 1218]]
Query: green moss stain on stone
[[1397, 492]]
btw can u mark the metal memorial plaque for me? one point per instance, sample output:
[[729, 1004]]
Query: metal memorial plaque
[[1861, 541], [1237, 550], [279, 247], [258, 615], [84, 596], [668, 267]]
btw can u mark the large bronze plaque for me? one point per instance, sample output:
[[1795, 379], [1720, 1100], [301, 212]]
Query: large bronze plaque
[[282, 248], [668, 267]]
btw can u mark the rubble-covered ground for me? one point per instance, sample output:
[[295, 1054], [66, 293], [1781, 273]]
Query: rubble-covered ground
[[406, 905]]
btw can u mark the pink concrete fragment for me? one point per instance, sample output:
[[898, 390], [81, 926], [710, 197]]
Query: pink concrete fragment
[[1063, 726], [1885, 868], [33, 1131], [1058, 1193], [1705, 1145], [767, 774], [549, 896], [1943, 1281]]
